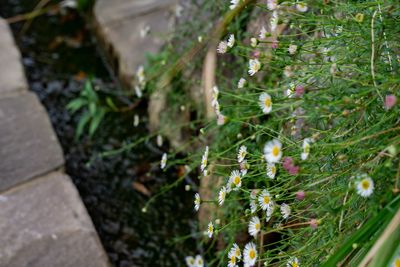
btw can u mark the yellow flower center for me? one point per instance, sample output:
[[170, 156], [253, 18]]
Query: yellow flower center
[[237, 253], [365, 185], [397, 262], [205, 162], [266, 199], [294, 264], [191, 261], [273, 169], [236, 180], [275, 151], [257, 226], [252, 254], [200, 262], [233, 259], [307, 149], [267, 102]]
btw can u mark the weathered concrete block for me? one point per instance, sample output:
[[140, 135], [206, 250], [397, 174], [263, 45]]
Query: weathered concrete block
[[44, 224], [12, 74], [119, 24], [28, 145]]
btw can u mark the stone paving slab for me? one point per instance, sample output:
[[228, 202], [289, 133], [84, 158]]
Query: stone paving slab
[[44, 224], [12, 74], [119, 24], [28, 145]]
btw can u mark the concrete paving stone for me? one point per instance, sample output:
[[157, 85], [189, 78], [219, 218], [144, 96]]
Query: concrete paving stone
[[12, 75], [44, 224], [119, 23], [28, 145]]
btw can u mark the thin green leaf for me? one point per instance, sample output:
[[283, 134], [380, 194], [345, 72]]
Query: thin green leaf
[[82, 122], [94, 124], [76, 104]]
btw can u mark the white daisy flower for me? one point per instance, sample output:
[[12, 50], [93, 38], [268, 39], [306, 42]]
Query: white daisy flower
[[396, 262], [197, 201], [199, 38], [253, 206], [254, 193], [273, 151], [254, 66], [136, 120], [222, 195], [271, 170], [242, 153], [269, 212], [222, 47], [306, 148], [163, 161], [250, 254], [204, 160], [159, 140], [138, 91], [254, 226], [144, 31], [301, 7], [235, 250], [263, 33], [293, 262], [244, 167], [231, 41], [292, 49], [234, 4], [265, 103], [274, 21], [215, 94], [364, 185], [140, 75], [265, 199], [232, 259], [253, 42], [241, 83], [199, 261], [272, 4], [190, 262], [221, 119], [285, 210], [235, 180], [210, 229]]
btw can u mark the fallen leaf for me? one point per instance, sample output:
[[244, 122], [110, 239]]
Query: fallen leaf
[[141, 188]]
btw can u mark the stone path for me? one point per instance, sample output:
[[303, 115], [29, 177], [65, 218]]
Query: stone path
[[43, 222], [119, 24]]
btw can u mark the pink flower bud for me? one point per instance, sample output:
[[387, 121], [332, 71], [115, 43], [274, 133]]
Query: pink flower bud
[[390, 101], [294, 170], [314, 224], [287, 163], [299, 90], [300, 195], [274, 45], [256, 53]]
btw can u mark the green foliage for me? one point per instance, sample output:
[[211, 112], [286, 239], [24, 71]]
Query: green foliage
[[93, 111], [347, 63], [331, 91]]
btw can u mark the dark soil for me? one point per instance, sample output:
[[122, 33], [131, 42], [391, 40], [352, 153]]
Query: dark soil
[[58, 53]]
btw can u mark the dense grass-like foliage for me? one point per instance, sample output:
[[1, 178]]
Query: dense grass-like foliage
[[318, 118]]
